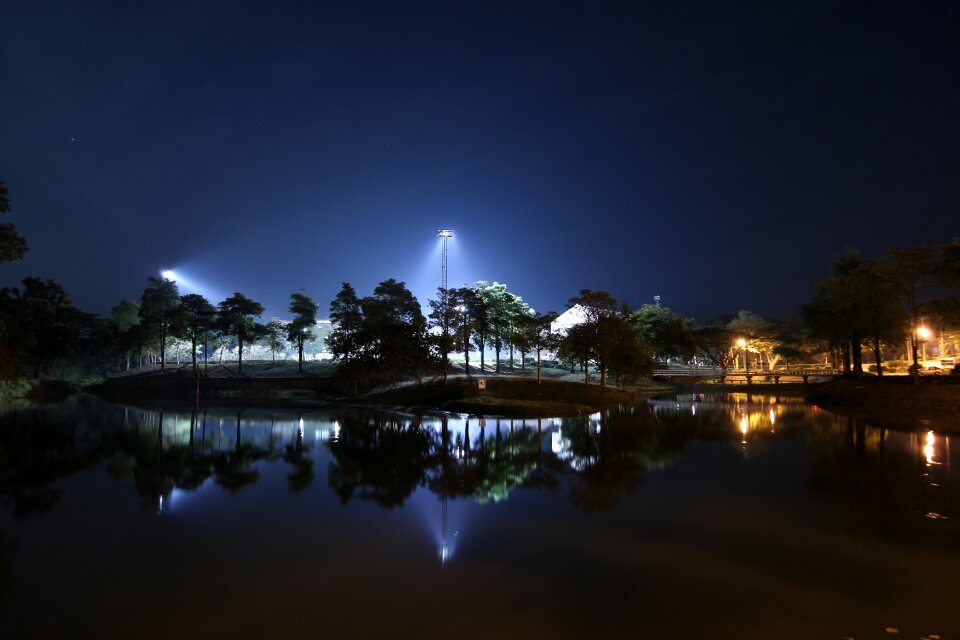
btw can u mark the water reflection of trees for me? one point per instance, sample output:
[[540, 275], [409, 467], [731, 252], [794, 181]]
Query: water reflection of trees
[[875, 479], [893, 484], [602, 458], [378, 459], [160, 451]]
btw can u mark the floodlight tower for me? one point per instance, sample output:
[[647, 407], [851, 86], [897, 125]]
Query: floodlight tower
[[444, 235]]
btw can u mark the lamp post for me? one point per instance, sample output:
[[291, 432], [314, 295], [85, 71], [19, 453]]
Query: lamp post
[[444, 235], [746, 363], [924, 334]]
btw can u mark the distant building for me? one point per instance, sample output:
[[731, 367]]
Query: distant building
[[570, 318]]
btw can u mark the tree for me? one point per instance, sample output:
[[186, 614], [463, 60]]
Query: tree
[[444, 318], [629, 360], [394, 330], [160, 308], [603, 331], [126, 320], [518, 312], [577, 346], [541, 337], [715, 343], [199, 317], [468, 304], [497, 305], [664, 333], [855, 304], [754, 330], [12, 244], [274, 332], [43, 326], [235, 317], [347, 315], [383, 334], [300, 329], [913, 270]]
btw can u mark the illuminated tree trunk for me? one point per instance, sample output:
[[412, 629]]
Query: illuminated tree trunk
[[877, 356]]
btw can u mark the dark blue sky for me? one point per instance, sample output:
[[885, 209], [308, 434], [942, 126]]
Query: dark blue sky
[[718, 154]]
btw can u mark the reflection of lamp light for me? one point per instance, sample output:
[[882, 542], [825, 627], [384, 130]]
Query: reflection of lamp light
[[928, 447], [444, 549]]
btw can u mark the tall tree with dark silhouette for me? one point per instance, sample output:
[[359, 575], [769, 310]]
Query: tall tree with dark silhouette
[[12, 244], [235, 317], [125, 316], [300, 329], [160, 308], [445, 320], [394, 331], [43, 326], [856, 304], [346, 314], [665, 333], [198, 319], [914, 269], [601, 333]]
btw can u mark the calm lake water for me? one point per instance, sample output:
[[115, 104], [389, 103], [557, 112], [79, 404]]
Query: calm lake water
[[688, 517]]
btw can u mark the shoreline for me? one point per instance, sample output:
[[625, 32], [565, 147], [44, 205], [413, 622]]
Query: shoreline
[[933, 404]]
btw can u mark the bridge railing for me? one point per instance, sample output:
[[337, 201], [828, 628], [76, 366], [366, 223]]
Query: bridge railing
[[708, 372]]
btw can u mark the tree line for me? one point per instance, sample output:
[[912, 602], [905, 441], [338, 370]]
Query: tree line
[[860, 306]]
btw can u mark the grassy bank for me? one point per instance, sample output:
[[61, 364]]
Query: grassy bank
[[934, 404]]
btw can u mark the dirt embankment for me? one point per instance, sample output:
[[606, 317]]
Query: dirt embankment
[[502, 395], [933, 403]]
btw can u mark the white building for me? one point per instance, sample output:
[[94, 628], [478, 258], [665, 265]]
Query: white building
[[570, 318]]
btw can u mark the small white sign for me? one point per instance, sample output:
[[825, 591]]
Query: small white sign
[[482, 384]]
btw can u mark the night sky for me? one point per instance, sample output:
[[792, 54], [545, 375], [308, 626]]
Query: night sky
[[717, 154]]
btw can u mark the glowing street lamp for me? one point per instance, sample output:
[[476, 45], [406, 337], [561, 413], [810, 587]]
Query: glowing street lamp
[[444, 235], [168, 274], [924, 334]]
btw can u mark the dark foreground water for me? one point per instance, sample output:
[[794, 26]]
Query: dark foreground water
[[693, 517]]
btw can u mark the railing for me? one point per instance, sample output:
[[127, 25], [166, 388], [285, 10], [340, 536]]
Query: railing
[[706, 372]]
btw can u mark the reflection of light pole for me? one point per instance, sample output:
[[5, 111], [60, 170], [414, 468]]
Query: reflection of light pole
[[444, 550], [444, 235]]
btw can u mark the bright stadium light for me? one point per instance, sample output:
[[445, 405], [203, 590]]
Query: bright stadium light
[[444, 235], [168, 274]]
